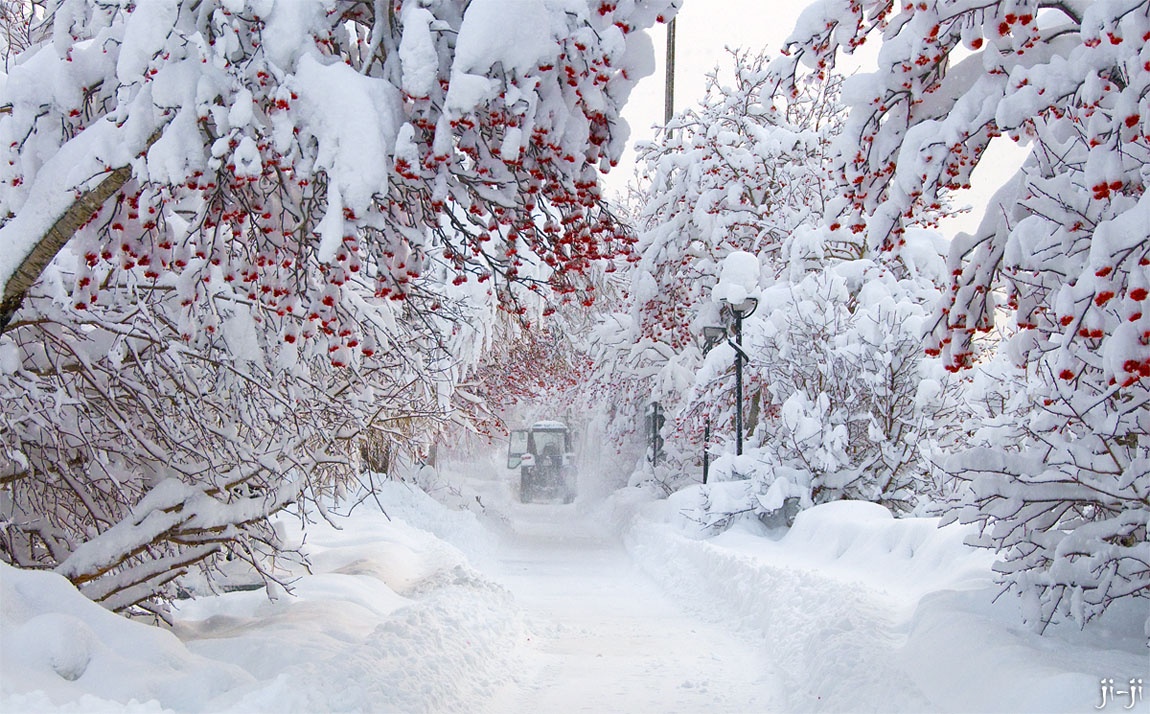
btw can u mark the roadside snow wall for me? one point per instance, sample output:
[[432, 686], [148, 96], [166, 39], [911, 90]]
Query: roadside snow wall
[[864, 612]]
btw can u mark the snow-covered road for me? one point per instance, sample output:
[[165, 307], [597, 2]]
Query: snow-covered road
[[606, 638]]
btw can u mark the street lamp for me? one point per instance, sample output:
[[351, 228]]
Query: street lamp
[[736, 291], [741, 311], [712, 336]]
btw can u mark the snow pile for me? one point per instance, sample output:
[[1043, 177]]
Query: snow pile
[[454, 523], [389, 618], [868, 613], [60, 649], [847, 540]]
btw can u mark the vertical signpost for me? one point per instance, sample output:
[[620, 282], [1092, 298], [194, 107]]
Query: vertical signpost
[[655, 421], [706, 454]]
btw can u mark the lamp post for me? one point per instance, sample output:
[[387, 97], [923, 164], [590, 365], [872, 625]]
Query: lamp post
[[669, 94], [711, 337], [736, 291], [741, 311]]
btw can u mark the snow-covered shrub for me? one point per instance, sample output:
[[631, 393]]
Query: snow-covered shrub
[[842, 400], [131, 456], [705, 510], [742, 487], [1058, 479]]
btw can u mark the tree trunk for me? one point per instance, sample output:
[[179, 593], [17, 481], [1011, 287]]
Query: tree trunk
[[57, 237], [33, 265]]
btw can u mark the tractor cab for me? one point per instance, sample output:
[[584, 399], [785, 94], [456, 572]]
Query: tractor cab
[[545, 459]]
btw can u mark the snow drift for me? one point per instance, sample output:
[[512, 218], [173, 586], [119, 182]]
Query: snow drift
[[389, 618], [866, 612]]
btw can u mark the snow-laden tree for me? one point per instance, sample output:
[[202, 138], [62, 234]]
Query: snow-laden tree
[[238, 237], [737, 172], [1059, 480], [832, 386], [16, 18], [527, 368]]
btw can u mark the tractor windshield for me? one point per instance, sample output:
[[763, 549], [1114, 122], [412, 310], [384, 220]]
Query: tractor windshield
[[551, 443]]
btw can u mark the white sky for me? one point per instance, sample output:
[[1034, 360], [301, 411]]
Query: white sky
[[704, 29]]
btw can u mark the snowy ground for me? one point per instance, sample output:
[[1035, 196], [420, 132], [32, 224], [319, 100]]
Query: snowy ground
[[607, 639], [615, 605]]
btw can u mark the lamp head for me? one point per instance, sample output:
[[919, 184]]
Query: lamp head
[[743, 309], [712, 336]]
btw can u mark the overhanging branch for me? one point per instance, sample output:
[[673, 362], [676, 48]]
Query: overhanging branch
[[42, 253]]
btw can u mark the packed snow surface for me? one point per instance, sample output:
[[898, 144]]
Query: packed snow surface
[[627, 604]]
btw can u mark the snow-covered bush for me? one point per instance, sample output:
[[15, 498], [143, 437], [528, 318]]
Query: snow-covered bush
[[131, 455], [843, 400], [1058, 478], [840, 358]]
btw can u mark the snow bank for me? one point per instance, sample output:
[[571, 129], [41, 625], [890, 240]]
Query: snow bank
[[454, 524], [869, 613], [62, 651], [391, 618], [388, 617]]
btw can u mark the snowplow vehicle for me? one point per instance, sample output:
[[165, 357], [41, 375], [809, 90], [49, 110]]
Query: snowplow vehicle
[[545, 459]]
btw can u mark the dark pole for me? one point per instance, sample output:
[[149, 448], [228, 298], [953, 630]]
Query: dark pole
[[738, 383], [655, 408], [669, 98], [706, 442]]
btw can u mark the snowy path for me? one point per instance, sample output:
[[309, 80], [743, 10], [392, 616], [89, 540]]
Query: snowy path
[[606, 638], [432, 610]]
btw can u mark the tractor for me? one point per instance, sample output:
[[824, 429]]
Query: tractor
[[545, 459]]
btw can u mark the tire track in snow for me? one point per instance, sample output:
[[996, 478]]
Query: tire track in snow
[[605, 638], [834, 643]]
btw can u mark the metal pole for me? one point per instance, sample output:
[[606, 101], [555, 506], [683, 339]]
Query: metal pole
[[655, 434], [669, 97], [739, 383], [706, 442]]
